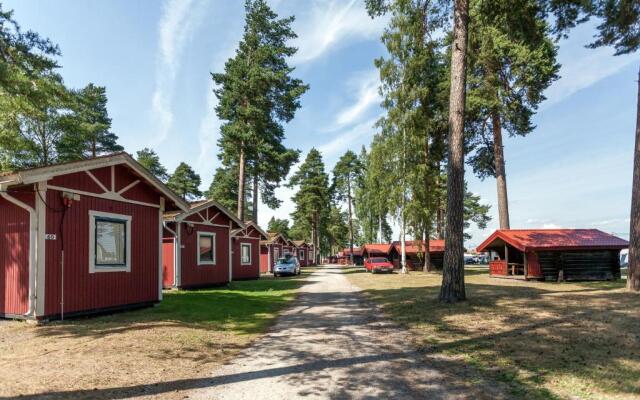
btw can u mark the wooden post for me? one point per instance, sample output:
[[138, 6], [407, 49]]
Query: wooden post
[[506, 257], [526, 268]]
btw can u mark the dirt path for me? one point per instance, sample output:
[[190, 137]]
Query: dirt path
[[333, 345]]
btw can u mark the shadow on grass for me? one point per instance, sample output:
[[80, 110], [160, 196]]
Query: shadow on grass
[[242, 307], [583, 341]]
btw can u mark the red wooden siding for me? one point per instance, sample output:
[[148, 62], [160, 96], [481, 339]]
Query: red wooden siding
[[194, 275], [84, 291], [533, 265], [168, 269], [14, 256], [498, 267], [79, 181], [251, 271]]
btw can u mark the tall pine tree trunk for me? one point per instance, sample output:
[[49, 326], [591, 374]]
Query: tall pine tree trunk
[[427, 254], [452, 289], [633, 278], [241, 183], [501, 175], [439, 208], [254, 206], [380, 228], [428, 197], [403, 245], [350, 218]]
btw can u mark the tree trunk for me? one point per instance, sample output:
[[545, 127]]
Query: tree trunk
[[254, 206], [501, 175], [380, 228], [403, 246], [452, 289], [427, 254], [241, 184], [438, 201], [350, 219], [633, 276]]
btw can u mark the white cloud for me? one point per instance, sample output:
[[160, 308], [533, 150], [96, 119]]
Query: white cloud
[[330, 23], [345, 140], [366, 86], [179, 20]]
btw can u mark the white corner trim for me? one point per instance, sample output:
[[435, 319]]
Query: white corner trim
[[160, 252], [93, 268], [250, 253], [129, 186], [212, 235]]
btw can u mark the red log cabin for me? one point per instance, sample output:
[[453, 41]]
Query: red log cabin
[[81, 237], [379, 250], [270, 250], [554, 254], [289, 247], [246, 251], [414, 250], [197, 245]]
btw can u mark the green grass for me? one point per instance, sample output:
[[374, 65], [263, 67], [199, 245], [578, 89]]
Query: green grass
[[184, 337], [545, 340]]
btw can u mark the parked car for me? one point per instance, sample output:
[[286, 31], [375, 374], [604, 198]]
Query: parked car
[[378, 264], [471, 259], [287, 265], [624, 259]]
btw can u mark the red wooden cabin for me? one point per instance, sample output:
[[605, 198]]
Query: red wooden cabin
[[554, 254], [344, 257], [302, 251], [311, 254], [289, 247], [246, 251], [81, 237], [270, 250], [378, 250], [197, 245], [414, 250]]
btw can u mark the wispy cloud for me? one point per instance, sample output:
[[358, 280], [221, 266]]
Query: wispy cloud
[[346, 139], [583, 67], [366, 86], [179, 20], [330, 23]]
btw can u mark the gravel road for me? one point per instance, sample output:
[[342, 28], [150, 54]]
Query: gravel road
[[334, 344]]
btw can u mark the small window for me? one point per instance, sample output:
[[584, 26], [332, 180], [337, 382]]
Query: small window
[[109, 242], [276, 253], [206, 248], [301, 254], [245, 253]]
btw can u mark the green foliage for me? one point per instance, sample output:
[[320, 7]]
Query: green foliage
[[475, 212], [150, 160], [281, 226], [185, 182], [312, 200], [87, 129], [257, 95], [620, 26], [512, 61], [224, 189]]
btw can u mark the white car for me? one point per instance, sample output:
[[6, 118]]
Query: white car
[[287, 265]]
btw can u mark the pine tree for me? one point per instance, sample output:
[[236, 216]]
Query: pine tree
[[347, 175], [280, 226], [512, 61], [87, 129], [256, 96], [312, 200], [150, 160], [185, 182]]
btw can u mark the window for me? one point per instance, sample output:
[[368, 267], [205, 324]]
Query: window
[[206, 248], [301, 254], [109, 242], [276, 253], [245, 253]]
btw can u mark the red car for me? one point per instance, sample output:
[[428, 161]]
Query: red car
[[378, 264]]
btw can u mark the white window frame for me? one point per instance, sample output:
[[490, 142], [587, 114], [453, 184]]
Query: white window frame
[[301, 257], [212, 235], [93, 268], [250, 253], [276, 254]]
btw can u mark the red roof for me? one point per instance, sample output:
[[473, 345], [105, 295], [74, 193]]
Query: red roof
[[555, 239], [377, 248], [417, 246], [356, 252]]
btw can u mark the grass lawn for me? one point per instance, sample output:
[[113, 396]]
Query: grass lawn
[[175, 343], [545, 340]]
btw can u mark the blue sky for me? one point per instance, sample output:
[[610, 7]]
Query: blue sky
[[155, 57]]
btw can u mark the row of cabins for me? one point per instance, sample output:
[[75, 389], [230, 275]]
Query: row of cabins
[[542, 254], [104, 234], [414, 252]]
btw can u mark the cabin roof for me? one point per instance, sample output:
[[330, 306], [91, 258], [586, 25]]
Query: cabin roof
[[272, 237], [38, 174], [299, 243], [383, 248], [200, 205], [554, 239], [357, 251], [417, 246], [251, 224]]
